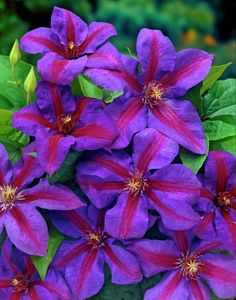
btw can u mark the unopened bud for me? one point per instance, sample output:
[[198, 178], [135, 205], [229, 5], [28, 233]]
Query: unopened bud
[[30, 82], [15, 54]]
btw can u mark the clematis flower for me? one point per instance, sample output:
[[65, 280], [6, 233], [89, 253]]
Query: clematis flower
[[60, 122], [25, 227], [218, 199], [151, 97], [172, 190], [19, 280], [188, 264], [82, 259], [66, 45]]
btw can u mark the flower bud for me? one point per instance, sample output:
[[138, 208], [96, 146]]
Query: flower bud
[[30, 82], [15, 54]]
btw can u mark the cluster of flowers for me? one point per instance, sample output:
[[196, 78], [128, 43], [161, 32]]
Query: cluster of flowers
[[129, 191]]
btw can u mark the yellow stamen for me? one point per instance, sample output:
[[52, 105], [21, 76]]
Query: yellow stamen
[[71, 45]]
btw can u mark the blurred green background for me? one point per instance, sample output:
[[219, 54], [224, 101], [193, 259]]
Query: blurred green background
[[189, 23]]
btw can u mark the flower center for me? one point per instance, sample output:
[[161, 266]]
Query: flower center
[[224, 199], [72, 51], [8, 194], [152, 93], [190, 265], [136, 183], [96, 239], [20, 283], [65, 123]]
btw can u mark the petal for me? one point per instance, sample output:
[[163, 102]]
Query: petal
[[98, 32], [41, 40], [178, 181], [205, 227], [153, 150], [128, 218], [26, 168], [54, 101], [52, 150], [29, 119], [179, 120], [5, 167], [176, 215], [56, 197], [155, 256], [95, 132], [129, 116], [106, 57], [27, 230], [218, 168], [156, 54], [124, 266], [68, 26], [60, 70], [2, 219], [226, 229], [85, 275], [220, 273], [192, 66], [172, 286], [198, 291]]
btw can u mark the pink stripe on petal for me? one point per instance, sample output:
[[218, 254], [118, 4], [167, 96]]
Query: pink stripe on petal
[[57, 68], [52, 151], [24, 172], [29, 266], [78, 221], [181, 240], [169, 118], [206, 194], [128, 215], [68, 257], [196, 290], [208, 247], [53, 289], [129, 79], [57, 101], [128, 114], [233, 192], [170, 288], [93, 131], [167, 186], [80, 107], [7, 258], [33, 294], [154, 58], [221, 171], [231, 227], [121, 265], [46, 43], [70, 26], [109, 185], [205, 221], [16, 296], [5, 283], [110, 165], [218, 273], [36, 118]]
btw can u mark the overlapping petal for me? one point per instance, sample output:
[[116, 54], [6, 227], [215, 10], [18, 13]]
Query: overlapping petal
[[5, 167]]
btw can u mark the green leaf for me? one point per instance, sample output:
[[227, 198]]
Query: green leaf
[[67, 170], [221, 99], [42, 263], [192, 160], [109, 96], [193, 95], [13, 140], [83, 86], [12, 95], [216, 130], [227, 144], [214, 74]]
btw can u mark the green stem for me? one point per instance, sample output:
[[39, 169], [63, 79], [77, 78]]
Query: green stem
[[28, 98]]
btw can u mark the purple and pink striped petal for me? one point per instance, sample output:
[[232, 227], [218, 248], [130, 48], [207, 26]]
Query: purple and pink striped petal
[[5, 167], [179, 120], [198, 291], [156, 54]]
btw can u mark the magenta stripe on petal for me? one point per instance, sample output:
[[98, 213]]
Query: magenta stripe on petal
[[93, 131], [122, 266], [218, 273], [221, 170], [56, 100], [36, 118], [109, 185], [205, 221], [196, 289], [170, 287], [5, 283], [46, 43], [57, 69], [54, 289], [33, 294], [208, 247], [16, 296], [181, 240], [231, 227], [206, 194], [52, 151], [24, 172], [167, 186], [70, 29], [129, 113], [154, 58], [78, 221]]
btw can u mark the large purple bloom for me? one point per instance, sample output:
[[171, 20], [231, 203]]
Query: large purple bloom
[[171, 191], [83, 259], [186, 263], [19, 280], [25, 227], [66, 45], [60, 121], [218, 199], [151, 97]]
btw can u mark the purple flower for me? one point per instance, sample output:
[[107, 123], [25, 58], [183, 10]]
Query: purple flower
[[25, 227], [218, 199], [186, 263], [60, 122], [171, 190], [151, 97], [19, 280], [66, 45], [83, 259]]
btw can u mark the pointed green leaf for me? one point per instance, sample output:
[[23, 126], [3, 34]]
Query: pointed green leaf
[[227, 144], [83, 86], [216, 129]]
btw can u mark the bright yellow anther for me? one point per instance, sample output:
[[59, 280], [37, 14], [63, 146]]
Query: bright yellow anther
[[71, 45]]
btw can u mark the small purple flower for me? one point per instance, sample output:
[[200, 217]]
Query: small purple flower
[[19, 280], [83, 259], [25, 227], [171, 191], [218, 199], [186, 263], [151, 97], [60, 122], [66, 45]]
